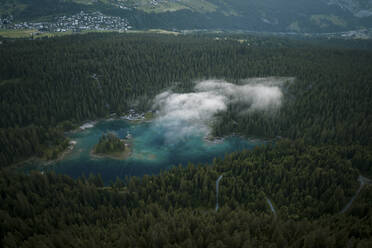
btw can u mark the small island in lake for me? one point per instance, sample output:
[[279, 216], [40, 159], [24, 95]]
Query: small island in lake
[[109, 145]]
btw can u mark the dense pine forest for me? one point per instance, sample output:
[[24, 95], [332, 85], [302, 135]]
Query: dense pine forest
[[109, 143], [308, 186], [322, 144], [55, 83]]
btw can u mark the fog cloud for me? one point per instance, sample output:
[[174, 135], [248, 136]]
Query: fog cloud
[[184, 114]]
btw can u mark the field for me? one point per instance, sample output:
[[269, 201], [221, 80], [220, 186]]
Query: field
[[29, 33], [17, 33], [164, 6]]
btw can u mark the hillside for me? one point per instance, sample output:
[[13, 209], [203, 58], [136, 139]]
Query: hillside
[[268, 15]]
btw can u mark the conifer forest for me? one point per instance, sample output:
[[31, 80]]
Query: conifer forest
[[307, 186]]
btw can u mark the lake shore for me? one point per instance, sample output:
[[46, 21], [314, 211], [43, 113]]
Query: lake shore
[[46, 162], [132, 117], [61, 156]]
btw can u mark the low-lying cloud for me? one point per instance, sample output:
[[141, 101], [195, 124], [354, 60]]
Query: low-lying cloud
[[185, 114]]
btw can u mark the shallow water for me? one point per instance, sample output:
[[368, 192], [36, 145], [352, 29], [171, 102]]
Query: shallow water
[[151, 151]]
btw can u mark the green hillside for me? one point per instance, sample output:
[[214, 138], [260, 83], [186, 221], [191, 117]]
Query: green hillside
[[267, 15]]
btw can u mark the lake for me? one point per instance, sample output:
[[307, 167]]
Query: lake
[[152, 151]]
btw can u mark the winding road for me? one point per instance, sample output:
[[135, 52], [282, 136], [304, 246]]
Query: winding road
[[363, 181], [217, 192]]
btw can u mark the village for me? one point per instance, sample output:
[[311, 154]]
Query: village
[[133, 116], [81, 21]]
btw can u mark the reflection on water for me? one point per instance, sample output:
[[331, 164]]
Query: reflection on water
[[151, 151]]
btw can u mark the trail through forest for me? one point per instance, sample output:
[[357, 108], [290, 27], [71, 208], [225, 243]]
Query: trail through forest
[[271, 206], [217, 185], [363, 180]]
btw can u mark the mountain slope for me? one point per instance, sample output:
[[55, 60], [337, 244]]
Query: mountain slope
[[359, 8], [255, 15]]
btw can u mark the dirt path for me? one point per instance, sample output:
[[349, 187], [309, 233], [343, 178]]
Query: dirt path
[[217, 185], [271, 206], [363, 181]]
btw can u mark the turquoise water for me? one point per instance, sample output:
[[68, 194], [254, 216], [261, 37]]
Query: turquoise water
[[151, 151]]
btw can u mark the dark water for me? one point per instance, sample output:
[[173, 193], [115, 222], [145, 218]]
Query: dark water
[[151, 151]]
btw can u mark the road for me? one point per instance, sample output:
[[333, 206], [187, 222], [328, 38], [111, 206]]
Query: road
[[217, 191], [271, 206], [217, 186], [363, 181]]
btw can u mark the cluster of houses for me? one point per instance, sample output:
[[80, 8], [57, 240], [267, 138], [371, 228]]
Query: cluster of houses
[[358, 34], [78, 22], [123, 4], [133, 116], [365, 33], [154, 3], [5, 21], [91, 21]]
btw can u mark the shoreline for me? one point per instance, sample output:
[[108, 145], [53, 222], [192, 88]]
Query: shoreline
[[69, 149], [131, 117], [213, 140], [43, 162], [207, 139]]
